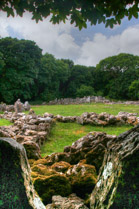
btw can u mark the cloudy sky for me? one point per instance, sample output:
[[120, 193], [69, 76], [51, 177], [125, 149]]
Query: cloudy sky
[[85, 47]]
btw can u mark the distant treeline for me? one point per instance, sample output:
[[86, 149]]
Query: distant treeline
[[27, 74]]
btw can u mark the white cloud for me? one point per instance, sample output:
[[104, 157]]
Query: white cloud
[[100, 47], [59, 41], [55, 39]]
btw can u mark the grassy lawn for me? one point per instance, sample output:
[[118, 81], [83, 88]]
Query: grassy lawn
[[4, 122], [71, 110], [64, 134]]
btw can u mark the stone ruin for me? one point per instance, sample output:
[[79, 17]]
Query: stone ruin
[[101, 169], [88, 99], [17, 107], [102, 119], [29, 130], [97, 171]]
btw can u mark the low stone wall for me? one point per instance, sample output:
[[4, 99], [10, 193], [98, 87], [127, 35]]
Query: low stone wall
[[88, 99], [32, 130], [98, 164], [29, 130], [102, 119]]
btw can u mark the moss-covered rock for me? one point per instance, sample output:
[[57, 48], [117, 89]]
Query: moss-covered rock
[[95, 156], [57, 157], [16, 188], [61, 166], [83, 178], [52, 185], [32, 149], [127, 194], [42, 170]]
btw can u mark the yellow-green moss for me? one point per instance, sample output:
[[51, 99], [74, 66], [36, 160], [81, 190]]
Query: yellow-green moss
[[83, 179], [61, 166], [52, 185]]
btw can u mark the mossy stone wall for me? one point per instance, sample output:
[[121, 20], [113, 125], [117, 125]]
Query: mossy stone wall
[[12, 189]]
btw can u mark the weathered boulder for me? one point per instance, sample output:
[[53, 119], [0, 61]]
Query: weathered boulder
[[57, 157], [118, 184], [3, 107], [16, 188], [47, 186], [71, 202], [18, 106], [27, 106]]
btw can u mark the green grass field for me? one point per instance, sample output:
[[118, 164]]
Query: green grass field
[[64, 134], [71, 110]]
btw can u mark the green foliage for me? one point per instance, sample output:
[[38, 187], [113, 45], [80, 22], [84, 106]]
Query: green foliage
[[79, 75], [78, 11], [85, 91], [27, 74], [20, 72], [52, 75], [1, 62], [115, 74], [134, 90]]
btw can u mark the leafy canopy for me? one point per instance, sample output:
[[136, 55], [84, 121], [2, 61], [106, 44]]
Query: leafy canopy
[[110, 12], [115, 74]]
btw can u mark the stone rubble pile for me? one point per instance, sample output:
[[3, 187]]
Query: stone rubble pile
[[17, 107], [72, 202], [29, 130], [102, 119]]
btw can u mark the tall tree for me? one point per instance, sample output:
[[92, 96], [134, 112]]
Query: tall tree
[[19, 75], [78, 11], [52, 75], [115, 74]]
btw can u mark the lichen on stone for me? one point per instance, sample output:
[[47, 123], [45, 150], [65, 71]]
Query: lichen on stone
[[107, 170]]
